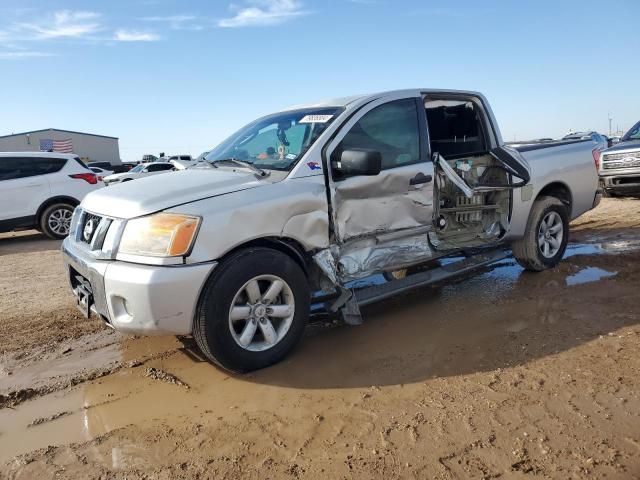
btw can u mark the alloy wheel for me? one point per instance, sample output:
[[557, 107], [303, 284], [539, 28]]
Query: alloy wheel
[[261, 313], [550, 234], [59, 221]]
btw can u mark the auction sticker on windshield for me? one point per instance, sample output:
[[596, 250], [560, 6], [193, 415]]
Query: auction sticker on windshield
[[315, 119]]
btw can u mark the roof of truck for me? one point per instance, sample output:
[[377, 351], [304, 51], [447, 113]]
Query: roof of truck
[[346, 101]]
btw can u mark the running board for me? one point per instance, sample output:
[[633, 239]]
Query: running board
[[376, 293]]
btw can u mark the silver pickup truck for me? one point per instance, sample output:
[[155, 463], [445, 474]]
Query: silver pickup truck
[[293, 210], [620, 165]]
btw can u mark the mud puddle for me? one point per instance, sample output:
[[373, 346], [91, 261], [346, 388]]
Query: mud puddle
[[480, 323], [589, 274], [91, 352]]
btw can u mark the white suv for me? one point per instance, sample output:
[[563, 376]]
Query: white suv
[[40, 190]]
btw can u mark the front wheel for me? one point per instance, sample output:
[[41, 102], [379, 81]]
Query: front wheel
[[546, 236], [253, 310]]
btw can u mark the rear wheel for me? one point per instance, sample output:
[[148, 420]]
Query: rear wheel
[[253, 310], [55, 221], [546, 236]]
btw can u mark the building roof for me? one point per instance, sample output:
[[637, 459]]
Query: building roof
[[56, 130]]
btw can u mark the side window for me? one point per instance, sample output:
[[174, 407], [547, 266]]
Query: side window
[[391, 129], [11, 168], [42, 166], [455, 128], [22, 167]]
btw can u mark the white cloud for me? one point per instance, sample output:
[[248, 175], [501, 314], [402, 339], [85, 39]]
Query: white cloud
[[135, 36], [17, 55], [177, 22], [63, 24], [263, 12]]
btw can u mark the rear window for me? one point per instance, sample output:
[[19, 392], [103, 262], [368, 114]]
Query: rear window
[[455, 128], [21, 167]]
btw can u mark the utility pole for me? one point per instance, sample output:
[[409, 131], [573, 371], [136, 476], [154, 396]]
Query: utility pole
[[610, 119]]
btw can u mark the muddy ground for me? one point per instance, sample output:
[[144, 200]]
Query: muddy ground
[[504, 374]]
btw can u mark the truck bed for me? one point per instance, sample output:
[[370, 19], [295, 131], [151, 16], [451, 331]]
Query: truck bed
[[529, 145]]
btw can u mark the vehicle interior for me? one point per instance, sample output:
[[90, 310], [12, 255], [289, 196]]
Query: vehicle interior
[[473, 188]]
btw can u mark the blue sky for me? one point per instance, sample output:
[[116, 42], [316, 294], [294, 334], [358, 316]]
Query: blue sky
[[179, 76]]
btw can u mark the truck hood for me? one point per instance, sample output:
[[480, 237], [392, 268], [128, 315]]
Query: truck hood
[[159, 192], [622, 146]]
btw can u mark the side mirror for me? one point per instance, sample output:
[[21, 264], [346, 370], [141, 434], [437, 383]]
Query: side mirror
[[357, 162]]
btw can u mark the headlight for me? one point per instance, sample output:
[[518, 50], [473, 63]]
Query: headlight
[[159, 235]]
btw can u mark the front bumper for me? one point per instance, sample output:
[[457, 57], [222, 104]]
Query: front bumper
[[134, 298], [623, 183]]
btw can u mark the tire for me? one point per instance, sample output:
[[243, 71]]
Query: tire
[[220, 337], [56, 220], [530, 251]]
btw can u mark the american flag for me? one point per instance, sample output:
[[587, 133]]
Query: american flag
[[60, 146]]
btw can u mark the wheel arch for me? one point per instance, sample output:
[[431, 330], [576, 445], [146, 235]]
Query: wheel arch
[[53, 200], [559, 190], [288, 246]]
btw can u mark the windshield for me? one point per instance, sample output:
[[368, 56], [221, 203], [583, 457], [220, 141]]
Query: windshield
[[277, 141], [137, 169], [633, 134]]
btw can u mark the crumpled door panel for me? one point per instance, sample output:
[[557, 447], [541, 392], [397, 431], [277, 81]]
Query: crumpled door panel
[[381, 204]]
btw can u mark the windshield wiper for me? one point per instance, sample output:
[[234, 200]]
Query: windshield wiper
[[203, 163], [249, 165]]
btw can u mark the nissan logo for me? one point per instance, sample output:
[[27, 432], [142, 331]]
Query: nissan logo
[[88, 230]]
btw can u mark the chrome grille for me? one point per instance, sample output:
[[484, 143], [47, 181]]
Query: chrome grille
[[611, 161], [92, 229]]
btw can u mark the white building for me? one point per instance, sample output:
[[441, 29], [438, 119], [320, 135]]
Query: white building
[[89, 147]]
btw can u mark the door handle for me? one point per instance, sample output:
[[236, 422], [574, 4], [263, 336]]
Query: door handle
[[420, 178]]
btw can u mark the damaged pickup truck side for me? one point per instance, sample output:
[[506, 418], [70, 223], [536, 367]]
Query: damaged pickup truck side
[[295, 207]]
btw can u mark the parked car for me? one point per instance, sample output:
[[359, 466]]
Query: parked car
[[139, 171], [126, 166], [312, 199], [181, 162], [101, 173], [181, 158], [117, 168], [103, 165], [40, 190], [620, 165], [596, 137]]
